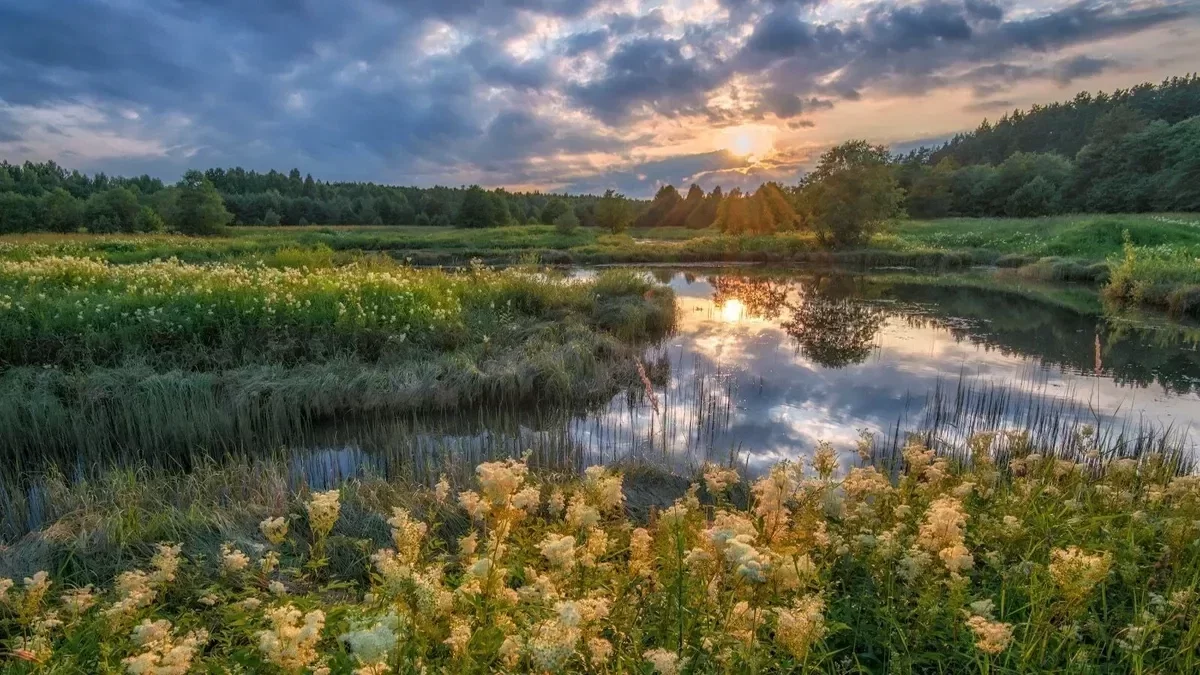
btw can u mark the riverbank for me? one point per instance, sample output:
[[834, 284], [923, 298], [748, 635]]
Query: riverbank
[[166, 355], [992, 558], [1082, 248]]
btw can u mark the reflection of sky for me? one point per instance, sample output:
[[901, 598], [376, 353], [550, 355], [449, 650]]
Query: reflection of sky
[[782, 403]]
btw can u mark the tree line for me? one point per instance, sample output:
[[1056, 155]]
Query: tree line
[[1136, 149], [1133, 150]]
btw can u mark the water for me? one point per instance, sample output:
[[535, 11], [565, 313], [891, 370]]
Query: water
[[765, 365]]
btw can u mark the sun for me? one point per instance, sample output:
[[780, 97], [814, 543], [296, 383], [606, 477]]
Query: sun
[[751, 141], [733, 310]]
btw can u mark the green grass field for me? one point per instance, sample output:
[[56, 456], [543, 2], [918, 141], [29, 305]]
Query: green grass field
[[1083, 248]]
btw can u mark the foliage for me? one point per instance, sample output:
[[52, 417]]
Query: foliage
[[613, 212], [996, 560], [197, 208], [566, 222], [850, 194]]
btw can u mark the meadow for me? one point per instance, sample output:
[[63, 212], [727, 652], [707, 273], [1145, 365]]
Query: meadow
[[1077, 248], [995, 558], [165, 355]]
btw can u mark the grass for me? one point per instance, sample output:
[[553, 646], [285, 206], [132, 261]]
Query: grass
[[165, 355], [990, 557]]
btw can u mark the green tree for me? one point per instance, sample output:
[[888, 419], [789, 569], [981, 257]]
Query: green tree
[[1038, 197], [613, 212], [552, 210], [270, 217], [850, 194], [60, 212], [665, 201], [476, 209], [566, 223], [706, 215], [113, 210], [148, 220], [198, 208]]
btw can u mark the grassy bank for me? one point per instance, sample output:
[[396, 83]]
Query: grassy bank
[[992, 558], [165, 354]]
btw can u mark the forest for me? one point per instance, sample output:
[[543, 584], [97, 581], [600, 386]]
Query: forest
[[1132, 150]]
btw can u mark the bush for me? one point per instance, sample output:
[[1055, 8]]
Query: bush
[[198, 209], [1035, 198], [566, 223]]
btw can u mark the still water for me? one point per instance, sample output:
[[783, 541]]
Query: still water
[[763, 366]]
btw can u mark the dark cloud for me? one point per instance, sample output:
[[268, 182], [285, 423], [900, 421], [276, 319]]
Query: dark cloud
[[649, 73], [1077, 67], [990, 105], [582, 43], [426, 90]]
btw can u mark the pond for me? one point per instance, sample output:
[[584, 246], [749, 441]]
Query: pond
[[764, 365]]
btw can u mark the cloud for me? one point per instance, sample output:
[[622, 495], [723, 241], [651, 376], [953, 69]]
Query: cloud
[[550, 92]]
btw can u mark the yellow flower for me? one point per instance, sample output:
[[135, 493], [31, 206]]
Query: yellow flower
[[991, 637], [664, 662], [1076, 572], [274, 529], [291, 642], [801, 626], [323, 509]]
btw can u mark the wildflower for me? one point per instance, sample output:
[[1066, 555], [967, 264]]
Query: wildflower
[[604, 488], [373, 640], [250, 604], [580, 514], [718, 479], [291, 642], [510, 652], [824, 460], [991, 637], [528, 500], [277, 588], [639, 552], [467, 545], [600, 650], [664, 662], [6, 585], [78, 600], [771, 495], [269, 562], [165, 562], [460, 636], [1076, 572], [233, 561], [407, 534], [35, 589], [323, 509], [274, 529], [474, 505], [208, 600], [559, 550], [801, 626], [441, 491], [165, 653], [552, 644], [557, 502], [942, 532]]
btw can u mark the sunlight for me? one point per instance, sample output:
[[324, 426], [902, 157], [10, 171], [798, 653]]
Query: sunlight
[[751, 141], [733, 310]]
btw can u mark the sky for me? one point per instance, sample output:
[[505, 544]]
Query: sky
[[563, 95]]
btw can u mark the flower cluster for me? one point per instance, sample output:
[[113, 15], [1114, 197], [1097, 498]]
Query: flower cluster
[[568, 583]]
